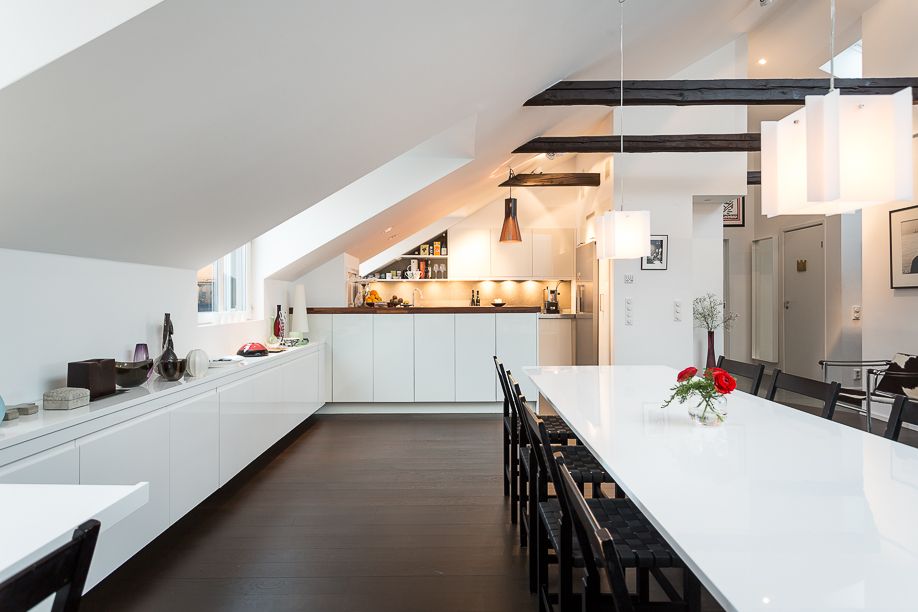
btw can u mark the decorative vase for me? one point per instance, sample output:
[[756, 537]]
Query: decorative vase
[[280, 324], [704, 414], [196, 363], [167, 366], [141, 352], [712, 360]]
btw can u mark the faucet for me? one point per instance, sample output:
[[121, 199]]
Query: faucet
[[420, 296]]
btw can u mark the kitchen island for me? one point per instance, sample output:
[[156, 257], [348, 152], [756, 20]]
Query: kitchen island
[[423, 358]]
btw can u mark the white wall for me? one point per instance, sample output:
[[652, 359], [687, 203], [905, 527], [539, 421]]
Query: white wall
[[56, 309], [664, 184], [326, 285], [889, 321]]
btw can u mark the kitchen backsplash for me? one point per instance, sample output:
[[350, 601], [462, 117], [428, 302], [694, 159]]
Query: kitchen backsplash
[[458, 293]]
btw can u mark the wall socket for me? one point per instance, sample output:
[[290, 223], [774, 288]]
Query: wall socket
[[856, 313], [857, 373], [677, 310], [629, 279]]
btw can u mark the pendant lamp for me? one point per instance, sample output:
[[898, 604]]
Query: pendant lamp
[[510, 230], [622, 234]]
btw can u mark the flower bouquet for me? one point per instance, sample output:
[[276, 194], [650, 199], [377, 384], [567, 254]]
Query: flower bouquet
[[710, 389]]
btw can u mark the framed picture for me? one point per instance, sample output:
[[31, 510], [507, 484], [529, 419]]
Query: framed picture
[[903, 248], [735, 212], [659, 254]]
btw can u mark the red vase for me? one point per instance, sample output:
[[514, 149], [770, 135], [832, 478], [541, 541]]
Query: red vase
[[712, 361]]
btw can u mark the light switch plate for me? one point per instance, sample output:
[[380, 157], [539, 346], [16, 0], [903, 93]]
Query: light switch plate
[[629, 279], [856, 313]]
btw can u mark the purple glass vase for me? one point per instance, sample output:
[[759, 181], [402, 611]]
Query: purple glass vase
[[141, 352]]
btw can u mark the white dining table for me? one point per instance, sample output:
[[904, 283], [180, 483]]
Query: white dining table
[[775, 509]]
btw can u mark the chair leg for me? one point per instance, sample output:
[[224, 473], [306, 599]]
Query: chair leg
[[535, 558], [869, 417], [515, 477], [565, 567], [643, 584], [542, 559], [534, 499], [691, 591], [506, 470], [521, 507]]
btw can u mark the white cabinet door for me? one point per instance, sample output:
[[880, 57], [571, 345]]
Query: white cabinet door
[[555, 342], [352, 340], [434, 357], [553, 253], [518, 346], [194, 462], [393, 358], [469, 253], [132, 452], [301, 387], [511, 259], [475, 358], [320, 329], [58, 465], [251, 419]]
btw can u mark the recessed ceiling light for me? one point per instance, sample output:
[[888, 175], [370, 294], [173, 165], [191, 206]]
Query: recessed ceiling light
[[388, 229], [762, 61]]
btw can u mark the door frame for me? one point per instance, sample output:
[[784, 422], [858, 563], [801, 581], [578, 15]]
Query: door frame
[[784, 231]]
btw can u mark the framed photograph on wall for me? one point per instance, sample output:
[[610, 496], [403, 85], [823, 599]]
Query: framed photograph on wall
[[735, 212], [659, 253], [903, 248]]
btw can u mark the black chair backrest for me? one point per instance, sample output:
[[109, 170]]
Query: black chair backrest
[[596, 544], [61, 573], [502, 379], [746, 370], [826, 392], [904, 410]]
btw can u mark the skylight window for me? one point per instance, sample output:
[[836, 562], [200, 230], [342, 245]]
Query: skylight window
[[849, 64]]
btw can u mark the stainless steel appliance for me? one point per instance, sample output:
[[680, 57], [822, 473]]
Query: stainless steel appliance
[[586, 320], [551, 296]]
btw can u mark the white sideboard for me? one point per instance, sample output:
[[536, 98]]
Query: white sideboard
[[185, 439]]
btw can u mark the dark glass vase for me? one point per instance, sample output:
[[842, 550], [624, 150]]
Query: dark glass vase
[[280, 324], [168, 356], [712, 360]]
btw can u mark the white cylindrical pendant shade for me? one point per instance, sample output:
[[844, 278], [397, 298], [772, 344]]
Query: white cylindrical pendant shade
[[859, 149], [300, 321], [623, 234]]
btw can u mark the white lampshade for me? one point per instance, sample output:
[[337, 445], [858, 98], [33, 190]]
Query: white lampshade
[[300, 320], [859, 149], [623, 234]]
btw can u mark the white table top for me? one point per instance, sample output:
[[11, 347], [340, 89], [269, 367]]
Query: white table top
[[775, 509], [36, 519]]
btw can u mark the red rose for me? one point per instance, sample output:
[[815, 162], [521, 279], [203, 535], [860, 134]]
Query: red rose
[[710, 372], [724, 383], [686, 374]]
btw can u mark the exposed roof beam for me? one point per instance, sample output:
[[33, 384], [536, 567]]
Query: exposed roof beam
[[754, 177], [711, 92], [674, 143], [553, 179]]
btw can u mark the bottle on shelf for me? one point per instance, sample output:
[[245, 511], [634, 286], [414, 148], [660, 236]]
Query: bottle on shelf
[[472, 301], [443, 250]]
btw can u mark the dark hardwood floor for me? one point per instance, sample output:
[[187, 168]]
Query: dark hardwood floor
[[351, 513]]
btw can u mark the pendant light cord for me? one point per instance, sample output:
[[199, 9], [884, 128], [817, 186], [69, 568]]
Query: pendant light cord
[[832, 47], [621, 98]]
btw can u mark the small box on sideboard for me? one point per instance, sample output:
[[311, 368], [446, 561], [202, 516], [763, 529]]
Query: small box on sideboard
[[97, 375]]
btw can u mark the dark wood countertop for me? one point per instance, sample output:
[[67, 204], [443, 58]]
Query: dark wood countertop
[[426, 310]]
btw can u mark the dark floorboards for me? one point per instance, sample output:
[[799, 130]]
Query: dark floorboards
[[351, 513]]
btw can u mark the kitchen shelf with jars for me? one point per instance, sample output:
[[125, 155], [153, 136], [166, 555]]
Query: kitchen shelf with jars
[[425, 263]]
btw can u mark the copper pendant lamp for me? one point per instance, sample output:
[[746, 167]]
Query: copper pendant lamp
[[510, 230]]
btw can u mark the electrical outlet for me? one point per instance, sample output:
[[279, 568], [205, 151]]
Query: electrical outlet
[[677, 310], [855, 313], [629, 279], [857, 373]]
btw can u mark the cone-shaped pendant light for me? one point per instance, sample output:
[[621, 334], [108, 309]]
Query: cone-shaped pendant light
[[510, 230]]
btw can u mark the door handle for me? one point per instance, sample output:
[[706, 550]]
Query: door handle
[[786, 304]]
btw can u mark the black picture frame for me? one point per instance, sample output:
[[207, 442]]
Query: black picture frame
[[903, 252], [657, 261], [737, 219]]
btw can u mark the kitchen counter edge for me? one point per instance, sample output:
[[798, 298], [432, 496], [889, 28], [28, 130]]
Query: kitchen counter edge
[[427, 310]]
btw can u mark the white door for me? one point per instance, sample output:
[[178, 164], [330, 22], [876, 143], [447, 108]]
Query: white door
[[194, 452], [475, 358], [352, 357], [469, 253], [804, 301], [517, 343], [552, 253], [511, 259], [434, 357], [393, 356]]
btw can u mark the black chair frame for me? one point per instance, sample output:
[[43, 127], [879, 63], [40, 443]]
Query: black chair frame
[[827, 392], [753, 372], [904, 410]]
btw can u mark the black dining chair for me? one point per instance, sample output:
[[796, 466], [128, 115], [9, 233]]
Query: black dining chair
[[825, 392], [904, 410], [61, 573], [609, 536], [752, 372]]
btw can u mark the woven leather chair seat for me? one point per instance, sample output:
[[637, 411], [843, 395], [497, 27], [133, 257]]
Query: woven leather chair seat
[[558, 431], [637, 543], [584, 467]]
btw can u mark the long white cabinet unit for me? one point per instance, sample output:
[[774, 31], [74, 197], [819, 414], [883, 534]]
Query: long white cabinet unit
[[185, 439], [427, 355]]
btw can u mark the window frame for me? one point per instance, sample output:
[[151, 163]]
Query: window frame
[[223, 311]]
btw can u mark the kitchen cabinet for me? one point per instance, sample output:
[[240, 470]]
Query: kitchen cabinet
[[435, 357], [517, 344], [556, 343], [352, 357], [553, 253], [475, 357], [320, 330], [469, 253], [511, 259], [132, 452], [301, 389], [194, 456], [250, 412], [393, 356], [58, 465]]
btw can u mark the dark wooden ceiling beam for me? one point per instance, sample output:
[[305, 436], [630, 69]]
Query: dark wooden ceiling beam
[[674, 143], [712, 91], [553, 179], [754, 177]]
